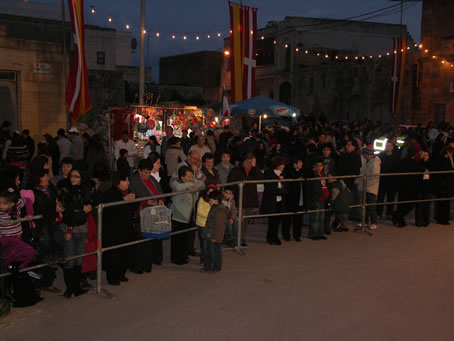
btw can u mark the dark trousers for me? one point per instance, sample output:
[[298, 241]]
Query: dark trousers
[[202, 243], [422, 211], [294, 222], [213, 256], [443, 210], [273, 225], [387, 190], [179, 243], [404, 209], [371, 211], [316, 227], [115, 275]]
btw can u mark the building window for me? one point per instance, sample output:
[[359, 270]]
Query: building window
[[101, 58]]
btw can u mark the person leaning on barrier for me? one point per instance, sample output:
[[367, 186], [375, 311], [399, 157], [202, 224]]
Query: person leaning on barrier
[[274, 200], [294, 170], [118, 228], [76, 198], [338, 203], [183, 213], [247, 170], [444, 185], [144, 185]]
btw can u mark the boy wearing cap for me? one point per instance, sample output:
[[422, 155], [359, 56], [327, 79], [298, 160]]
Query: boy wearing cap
[[371, 167]]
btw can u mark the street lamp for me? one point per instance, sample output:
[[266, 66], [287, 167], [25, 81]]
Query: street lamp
[[260, 121]]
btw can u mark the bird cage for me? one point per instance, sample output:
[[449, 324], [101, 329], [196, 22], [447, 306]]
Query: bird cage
[[155, 222]]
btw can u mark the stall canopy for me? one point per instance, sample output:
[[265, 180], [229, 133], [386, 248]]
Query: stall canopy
[[262, 105]]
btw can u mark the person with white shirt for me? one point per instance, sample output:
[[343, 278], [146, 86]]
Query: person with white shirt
[[129, 145], [201, 146]]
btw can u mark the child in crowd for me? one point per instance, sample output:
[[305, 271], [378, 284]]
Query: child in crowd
[[318, 193], [122, 162], [14, 250], [339, 201], [231, 225], [214, 233], [203, 208]]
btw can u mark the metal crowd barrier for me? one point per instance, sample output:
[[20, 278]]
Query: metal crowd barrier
[[99, 251]]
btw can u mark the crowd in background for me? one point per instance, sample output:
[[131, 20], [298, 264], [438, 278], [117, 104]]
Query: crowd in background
[[64, 178]]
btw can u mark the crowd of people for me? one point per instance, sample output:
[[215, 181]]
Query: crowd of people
[[64, 178]]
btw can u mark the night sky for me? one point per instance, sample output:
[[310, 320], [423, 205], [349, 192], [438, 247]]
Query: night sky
[[203, 17]]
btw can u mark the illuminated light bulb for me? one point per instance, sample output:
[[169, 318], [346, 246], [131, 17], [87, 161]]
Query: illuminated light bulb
[[219, 34], [346, 57], [92, 9], [356, 57], [433, 57], [173, 36], [216, 119], [208, 36], [262, 37], [109, 20], [371, 57], [157, 34], [306, 52], [379, 56], [227, 52], [144, 31], [265, 117], [297, 49], [401, 50], [363, 57], [395, 51], [420, 46], [286, 45], [197, 38], [318, 54], [252, 32], [426, 51], [127, 26], [275, 42], [408, 47], [387, 53], [442, 61], [184, 37], [416, 45], [336, 57], [326, 56], [452, 65]]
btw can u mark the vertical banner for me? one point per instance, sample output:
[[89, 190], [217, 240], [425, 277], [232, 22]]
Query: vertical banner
[[77, 89], [398, 75], [243, 38]]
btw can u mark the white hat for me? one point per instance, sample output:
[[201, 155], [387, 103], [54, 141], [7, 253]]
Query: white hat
[[73, 130]]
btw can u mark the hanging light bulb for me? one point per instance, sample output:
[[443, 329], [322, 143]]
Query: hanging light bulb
[[219, 34], [275, 42], [109, 20], [208, 36], [420, 46], [252, 32], [442, 61], [127, 27], [92, 9], [356, 57], [326, 56], [306, 52], [197, 38], [144, 31], [408, 47], [387, 53], [394, 51], [157, 34], [173, 36], [337, 57], [426, 51], [346, 57], [363, 57], [262, 37], [297, 49], [371, 57], [184, 37], [286, 45], [318, 54], [416, 45]]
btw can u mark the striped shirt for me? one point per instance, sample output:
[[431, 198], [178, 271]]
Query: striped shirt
[[9, 228]]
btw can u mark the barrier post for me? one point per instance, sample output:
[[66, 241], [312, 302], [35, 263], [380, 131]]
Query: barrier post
[[240, 215], [99, 252]]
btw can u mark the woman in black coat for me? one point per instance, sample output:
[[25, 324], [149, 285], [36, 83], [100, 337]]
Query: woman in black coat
[[117, 228], [444, 185], [274, 199]]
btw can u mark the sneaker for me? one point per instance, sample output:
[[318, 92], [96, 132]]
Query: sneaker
[[373, 227]]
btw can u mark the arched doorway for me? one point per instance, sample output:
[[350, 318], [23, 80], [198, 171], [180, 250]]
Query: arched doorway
[[285, 93]]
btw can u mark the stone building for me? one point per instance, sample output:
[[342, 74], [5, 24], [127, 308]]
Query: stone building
[[317, 65], [33, 66], [195, 76], [430, 74]]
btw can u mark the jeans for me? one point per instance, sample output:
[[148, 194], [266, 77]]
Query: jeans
[[75, 246], [213, 256], [371, 211], [316, 228]]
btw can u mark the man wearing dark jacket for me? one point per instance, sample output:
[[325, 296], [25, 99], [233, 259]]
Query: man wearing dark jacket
[[246, 171], [294, 199], [389, 164]]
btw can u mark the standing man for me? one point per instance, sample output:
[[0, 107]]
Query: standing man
[[294, 199], [64, 145], [247, 170], [165, 141], [29, 142], [78, 145], [225, 167], [201, 146], [129, 145]]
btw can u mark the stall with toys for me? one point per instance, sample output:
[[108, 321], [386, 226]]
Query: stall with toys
[[145, 121]]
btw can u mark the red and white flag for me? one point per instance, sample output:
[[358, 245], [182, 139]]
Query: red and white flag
[[243, 38], [77, 89], [398, 75]]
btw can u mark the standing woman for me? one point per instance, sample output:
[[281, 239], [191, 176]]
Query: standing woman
[[182, 213], [444, 185], [274, 200], [144, 185], [118, 228], [76, 197]]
